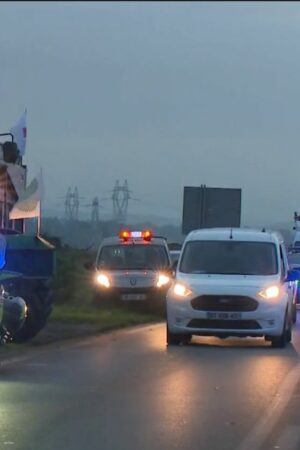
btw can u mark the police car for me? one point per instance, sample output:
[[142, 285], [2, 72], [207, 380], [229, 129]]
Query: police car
[[232, 282], [135, 266]]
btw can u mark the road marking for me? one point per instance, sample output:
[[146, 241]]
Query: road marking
[[37, 364], [290, 439], [264, 427], [15, 360]]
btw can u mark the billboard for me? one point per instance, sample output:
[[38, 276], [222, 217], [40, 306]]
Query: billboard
[[205, 207]]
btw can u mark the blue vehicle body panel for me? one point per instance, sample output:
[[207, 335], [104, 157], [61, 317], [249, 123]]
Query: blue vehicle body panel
[[30, 255]]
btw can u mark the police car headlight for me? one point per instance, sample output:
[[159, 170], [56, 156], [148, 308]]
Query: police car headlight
[[103, 280], [181, 291], [270, 293], [162, 280]]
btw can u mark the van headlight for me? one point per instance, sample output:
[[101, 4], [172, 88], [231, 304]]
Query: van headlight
[[103, 280], [162, 280], [180, 290], [270, 293]]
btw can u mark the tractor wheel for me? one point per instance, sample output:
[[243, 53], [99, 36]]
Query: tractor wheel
[[38, 296]]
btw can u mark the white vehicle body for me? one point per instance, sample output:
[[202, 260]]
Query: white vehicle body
[[296, 241], [231, 304], [126, 272]]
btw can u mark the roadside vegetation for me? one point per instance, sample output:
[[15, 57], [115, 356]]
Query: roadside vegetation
[[73, 293], [75, 314]]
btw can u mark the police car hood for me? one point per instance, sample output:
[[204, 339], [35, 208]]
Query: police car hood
[[221, 283], [133, 278]]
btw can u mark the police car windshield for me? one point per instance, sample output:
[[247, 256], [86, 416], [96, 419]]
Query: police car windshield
[[229, 257], [130, 257]]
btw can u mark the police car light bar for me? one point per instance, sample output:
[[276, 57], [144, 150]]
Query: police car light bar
[[147, 235], [136, 234], [125, 235]]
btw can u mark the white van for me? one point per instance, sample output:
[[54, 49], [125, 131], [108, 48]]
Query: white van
[[231, 282]]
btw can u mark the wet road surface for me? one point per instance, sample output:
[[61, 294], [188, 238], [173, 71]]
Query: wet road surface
[[127, 391]]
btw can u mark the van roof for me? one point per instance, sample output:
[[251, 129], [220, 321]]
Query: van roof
[[238, 234]]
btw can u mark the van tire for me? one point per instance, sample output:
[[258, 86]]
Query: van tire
[[286, 336], [294, 313], [177, 339]]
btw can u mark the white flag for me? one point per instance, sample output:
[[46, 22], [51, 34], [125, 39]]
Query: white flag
[[29, 203], [19, 131]]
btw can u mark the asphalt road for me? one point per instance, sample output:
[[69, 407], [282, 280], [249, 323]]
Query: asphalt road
[[127, 391]]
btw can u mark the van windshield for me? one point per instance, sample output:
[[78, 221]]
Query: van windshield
[[130, 257], [230, 258]]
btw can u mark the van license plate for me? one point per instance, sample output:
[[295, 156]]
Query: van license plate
[[224, 315], [133, 296]]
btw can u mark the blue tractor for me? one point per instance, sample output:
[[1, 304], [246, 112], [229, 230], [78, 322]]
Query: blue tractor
[[13, 310], [30, 259]]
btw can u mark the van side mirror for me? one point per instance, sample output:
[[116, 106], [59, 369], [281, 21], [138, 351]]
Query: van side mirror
[[89, 265], [292, 275]]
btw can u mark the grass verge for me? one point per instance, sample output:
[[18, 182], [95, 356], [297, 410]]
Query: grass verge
[[101, 318], [74, 314]]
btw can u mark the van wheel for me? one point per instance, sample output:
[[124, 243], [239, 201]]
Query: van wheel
[[289, 335], [177, 339], [285, 337], [294, 313]]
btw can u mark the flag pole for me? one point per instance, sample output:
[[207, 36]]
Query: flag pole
[[39, 220], [5, 200], [40, 209]]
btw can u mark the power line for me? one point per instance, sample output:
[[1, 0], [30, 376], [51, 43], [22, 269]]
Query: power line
[[121, 195], [72, 203], [95, 205]]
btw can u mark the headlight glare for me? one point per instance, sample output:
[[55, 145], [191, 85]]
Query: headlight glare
[[181, 291], [103, 280], [269, 293], [162, 280]]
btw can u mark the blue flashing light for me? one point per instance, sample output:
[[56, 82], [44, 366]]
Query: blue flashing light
[[2, 251]]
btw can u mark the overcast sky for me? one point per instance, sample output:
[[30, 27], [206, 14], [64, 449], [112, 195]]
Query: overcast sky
[[164, 94]]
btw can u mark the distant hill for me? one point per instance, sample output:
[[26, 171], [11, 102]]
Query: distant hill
[[83, 234]]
